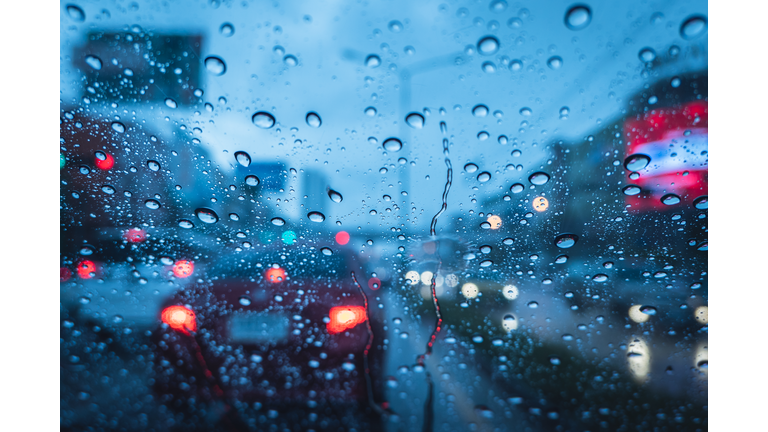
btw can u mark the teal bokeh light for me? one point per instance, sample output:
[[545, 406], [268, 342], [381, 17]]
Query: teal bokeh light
[[289, 237]]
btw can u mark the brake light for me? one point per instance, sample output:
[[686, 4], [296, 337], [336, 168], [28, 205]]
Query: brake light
[[344, 318], [105, 164], [179, 318], [183, 268], [135, 235], [342, 237], [275, 275], [86, 269]]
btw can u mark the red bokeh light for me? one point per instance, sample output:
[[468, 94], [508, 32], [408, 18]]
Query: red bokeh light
[[86, 269], [342, 237], [105, 164], [135, 235], [179, 318], [65, 274], [275, 274], [344, 318], [374, 283], [183, 268]]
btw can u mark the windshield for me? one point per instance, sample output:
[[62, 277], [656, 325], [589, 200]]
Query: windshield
[[384, 215]]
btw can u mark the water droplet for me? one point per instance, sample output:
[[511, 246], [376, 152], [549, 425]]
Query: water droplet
[[539, 178], [670, 199], [561, 259], [313, 119], [370, 111], [93, 61], [486, 263], [470, 167], [648, 310], [636, 162], [252, 180], [516, 188], [243, 158], [395, 26], [693, 27], [631, 190], [206, 215], [335, 196], [152, 204], [85, 170], [108, 189], [533, 305], [564, 111], [415, 120], [215, 65], [263, 119], [373, 61], [503, 139], [118, 127], [675, 82], [392, 144], [600, 278], [509, 322], [555, 62], [701, 203], [525, 111], [634, 175], [227, 29], [290, 60], [515, 65], [186, 224], [578, 17], [153, 165], [234, 217], [647, 55], [245, 300], [488, 45], [565, 241], [508, 241], [278, 221], [488, 67], [170, 103], [326, 251], [75, 13], [498, 5], [316, 216], [483, 135], [480, 110], [483, 176]]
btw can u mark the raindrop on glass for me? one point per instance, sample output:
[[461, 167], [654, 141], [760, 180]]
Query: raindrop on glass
[[118, 127], [564, 241], [647, 55], [206, 215], [227, 29], [636, 162], [670, 199], [75, 13], [243, 158], [373, 61], [392, 144], [631, 190], [334, 196], [215, 65], [539, 178], [483, 176], [470, 167], [93, 62], [701, 203], [555, 62], [152, 204], [578, 17], [480, 110], [278, 221], [153, 165], [252, 180], [313, 119], [693, 27], [263, 119], [415, 120], [395, 26], [370, 111], [186, 224], [516, 188], [488, 45], [316, 216]]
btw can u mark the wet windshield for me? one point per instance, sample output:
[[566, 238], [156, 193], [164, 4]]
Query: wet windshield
[[384, 215]]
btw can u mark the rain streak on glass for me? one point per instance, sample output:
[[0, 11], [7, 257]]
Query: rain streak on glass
[[263, 119], [578, 17], [243, 158], [215, 65], [206, 215]]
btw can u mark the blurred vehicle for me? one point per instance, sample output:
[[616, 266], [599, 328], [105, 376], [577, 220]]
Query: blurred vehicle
[[289, 330]]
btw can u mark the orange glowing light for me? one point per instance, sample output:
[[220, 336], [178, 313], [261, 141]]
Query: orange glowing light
[[344, 318], [495, 221], [105, 164], [540, 204], [179, 318], [135, 235], [342, 237], [275, 274], [86, 269], [183, 268]]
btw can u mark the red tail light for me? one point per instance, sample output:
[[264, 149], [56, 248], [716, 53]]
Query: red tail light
[[344, 318], [179, 318], [275, 274], [86, 269], [342, 237], [183, 268]]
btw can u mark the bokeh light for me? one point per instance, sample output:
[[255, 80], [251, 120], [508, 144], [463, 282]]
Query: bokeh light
[[179, 318], [183, 268], [342, 237]]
